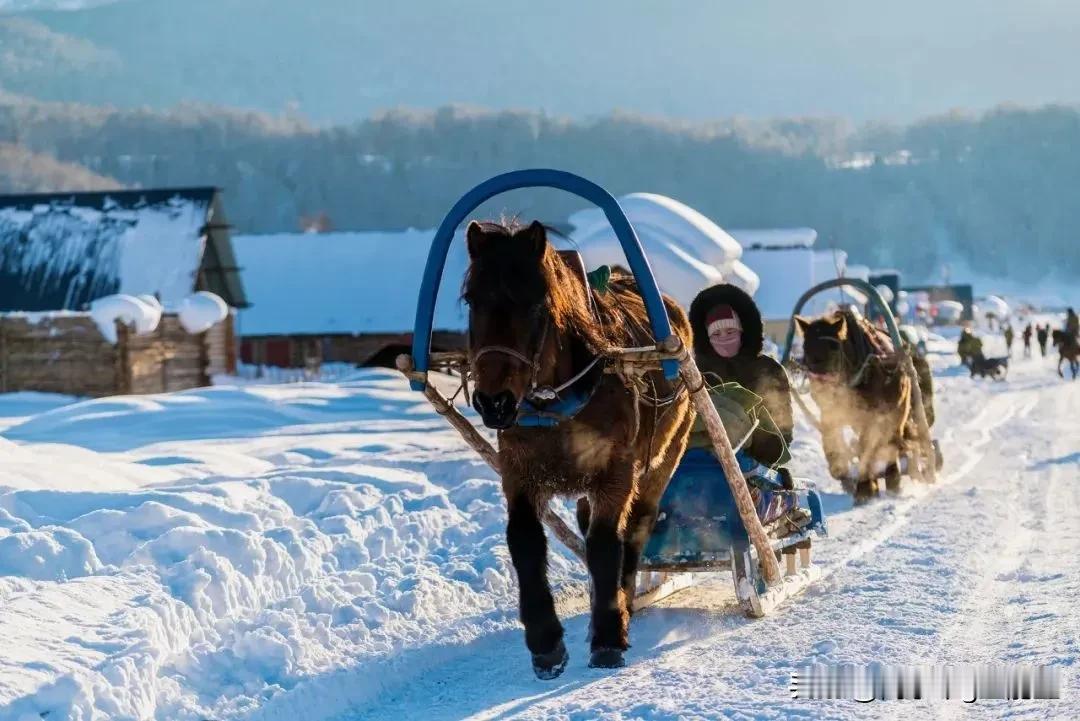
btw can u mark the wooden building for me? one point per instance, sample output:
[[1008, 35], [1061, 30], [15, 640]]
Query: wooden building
[[341, 297], [60, 252], [67, 353]]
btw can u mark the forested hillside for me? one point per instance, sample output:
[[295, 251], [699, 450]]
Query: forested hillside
[[991, 190]]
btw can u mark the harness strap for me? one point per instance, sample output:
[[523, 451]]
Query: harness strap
[[592, 364], [505, 350]]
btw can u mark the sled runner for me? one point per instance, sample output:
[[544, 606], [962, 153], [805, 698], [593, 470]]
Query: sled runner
[[721, 512]]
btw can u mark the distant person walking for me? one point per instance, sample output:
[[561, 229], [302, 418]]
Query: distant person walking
[[969, 347], [1009, 336], [1027, 340], [1042, 334]]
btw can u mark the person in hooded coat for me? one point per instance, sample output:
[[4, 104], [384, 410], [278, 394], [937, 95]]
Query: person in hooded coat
[[729, 337]]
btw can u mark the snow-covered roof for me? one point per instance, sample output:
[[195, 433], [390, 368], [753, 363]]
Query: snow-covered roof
[[687, 251], [62, 251], [774, 238], [787, 273], [331, 283]]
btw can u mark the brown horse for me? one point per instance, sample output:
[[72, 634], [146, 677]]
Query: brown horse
[[534, 325], [1068, 350], [856, 385]]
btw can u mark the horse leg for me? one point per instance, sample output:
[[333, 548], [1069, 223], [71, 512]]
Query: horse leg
[[894, 452], [1061, 359], [610, 505], [638, 527], [645, 508], [871, 444], [528, 552], [836, 449]]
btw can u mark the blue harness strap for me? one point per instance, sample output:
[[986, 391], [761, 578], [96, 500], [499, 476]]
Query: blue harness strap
[[569, 403]]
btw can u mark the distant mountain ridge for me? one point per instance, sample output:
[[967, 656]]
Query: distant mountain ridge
[[338, 61]]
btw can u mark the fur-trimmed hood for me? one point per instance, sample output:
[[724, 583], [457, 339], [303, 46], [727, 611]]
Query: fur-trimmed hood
[[753, 331]]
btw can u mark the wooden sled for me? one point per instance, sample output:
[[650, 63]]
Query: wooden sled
[[755, 561]]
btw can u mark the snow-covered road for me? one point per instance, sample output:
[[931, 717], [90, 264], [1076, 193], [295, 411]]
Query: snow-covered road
[[316, 552], [983, 567]]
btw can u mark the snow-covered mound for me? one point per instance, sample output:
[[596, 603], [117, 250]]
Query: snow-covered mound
[[194, 555], [202, 310], [687, 251], [131, 310]]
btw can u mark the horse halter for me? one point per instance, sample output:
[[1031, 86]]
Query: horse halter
[[536, 393], [533, 363]]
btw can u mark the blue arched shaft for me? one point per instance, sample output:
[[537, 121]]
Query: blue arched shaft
[[857, 283], [535, 178]]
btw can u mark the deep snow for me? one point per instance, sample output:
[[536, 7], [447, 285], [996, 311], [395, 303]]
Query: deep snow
[[334, 551]]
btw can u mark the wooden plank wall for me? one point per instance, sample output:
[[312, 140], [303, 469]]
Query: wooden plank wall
[[363, 349], [67, 354], [56, 354]]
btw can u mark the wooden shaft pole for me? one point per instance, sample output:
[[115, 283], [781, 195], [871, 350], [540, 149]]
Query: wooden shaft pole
[[929, 460], [770, 568], [482, 446]]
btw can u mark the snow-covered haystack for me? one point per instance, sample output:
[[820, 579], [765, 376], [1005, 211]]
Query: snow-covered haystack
[[133, 311], [201, 311], [687, 251]]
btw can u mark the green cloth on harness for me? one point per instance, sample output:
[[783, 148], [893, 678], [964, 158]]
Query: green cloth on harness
[[599, 279], [739, 408]]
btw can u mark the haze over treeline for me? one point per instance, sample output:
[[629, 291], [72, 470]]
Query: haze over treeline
[[997, 191], [340, 60]]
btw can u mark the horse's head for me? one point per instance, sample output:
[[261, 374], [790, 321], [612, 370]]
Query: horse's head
[[521, 302], [1058, 337], [823, 343]]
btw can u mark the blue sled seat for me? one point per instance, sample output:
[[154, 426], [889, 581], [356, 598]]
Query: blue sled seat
[[699, 524]]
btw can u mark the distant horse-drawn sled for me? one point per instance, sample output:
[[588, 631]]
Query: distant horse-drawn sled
[[591, 383], [870, 382]]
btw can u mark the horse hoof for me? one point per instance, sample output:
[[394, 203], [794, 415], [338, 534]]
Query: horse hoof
[[607, 658], [550, 665]]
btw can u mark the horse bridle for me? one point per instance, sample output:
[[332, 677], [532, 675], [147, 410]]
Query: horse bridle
[[535, 392]]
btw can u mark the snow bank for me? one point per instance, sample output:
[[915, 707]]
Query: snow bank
[[201, 311], [198, 554], [138, 313]]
